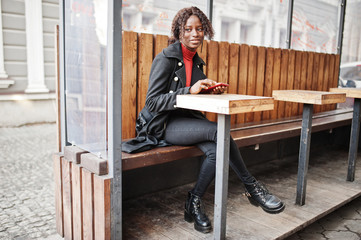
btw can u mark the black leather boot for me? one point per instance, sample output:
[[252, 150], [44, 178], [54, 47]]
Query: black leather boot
[[258, 195], [193, 211]]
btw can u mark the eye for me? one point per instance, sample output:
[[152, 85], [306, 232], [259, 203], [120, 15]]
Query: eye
[[200, 29], [187, 29]]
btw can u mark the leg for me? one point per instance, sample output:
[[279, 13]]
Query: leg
[[355, 131], [304, 153]]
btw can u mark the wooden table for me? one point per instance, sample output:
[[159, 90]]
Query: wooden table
[[355, 128], [224, 105], [308, 98]]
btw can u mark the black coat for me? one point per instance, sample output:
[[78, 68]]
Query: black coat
[[167, 80]]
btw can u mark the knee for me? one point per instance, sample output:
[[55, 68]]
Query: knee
[[210, 155]]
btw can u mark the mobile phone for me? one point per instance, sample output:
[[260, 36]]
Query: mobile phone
[[208, 90]]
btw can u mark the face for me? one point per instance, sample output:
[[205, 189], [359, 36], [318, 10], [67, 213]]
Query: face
[[193, 33]]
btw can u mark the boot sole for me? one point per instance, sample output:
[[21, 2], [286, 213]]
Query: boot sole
[[267, 210], [189, 218]]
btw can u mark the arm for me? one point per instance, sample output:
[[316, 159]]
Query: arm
[[158, 96]]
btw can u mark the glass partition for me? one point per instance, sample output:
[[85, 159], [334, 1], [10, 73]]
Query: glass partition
[[315, 25], [351, 44], [85, 47], [258, 22], [154, 16]]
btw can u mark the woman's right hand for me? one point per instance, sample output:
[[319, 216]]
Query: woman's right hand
[[201, 84]]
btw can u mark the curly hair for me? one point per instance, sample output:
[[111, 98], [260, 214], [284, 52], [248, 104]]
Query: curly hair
[[181, 18]]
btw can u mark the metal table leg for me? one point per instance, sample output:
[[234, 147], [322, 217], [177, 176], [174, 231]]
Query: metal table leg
[[304, 153], [355, 131], [221, 182]]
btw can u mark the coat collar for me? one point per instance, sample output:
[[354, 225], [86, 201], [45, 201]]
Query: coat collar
[[175, 51]]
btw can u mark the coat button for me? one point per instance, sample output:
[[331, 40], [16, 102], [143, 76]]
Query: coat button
[[175, 106], [176, 79], [197, 66], [171, 91], [180, 64]]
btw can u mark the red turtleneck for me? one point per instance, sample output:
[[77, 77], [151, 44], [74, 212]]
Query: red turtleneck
[[188, 62]]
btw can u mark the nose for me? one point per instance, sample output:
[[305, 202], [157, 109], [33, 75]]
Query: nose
[[195, 32]]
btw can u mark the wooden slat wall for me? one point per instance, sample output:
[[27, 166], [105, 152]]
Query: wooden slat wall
[[248, 69]]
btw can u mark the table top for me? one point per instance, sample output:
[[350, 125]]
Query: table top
[[350, 92], [308, 96], [225, 103]]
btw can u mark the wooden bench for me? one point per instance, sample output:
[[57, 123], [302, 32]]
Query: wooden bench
[[81, 185], [244, 135]]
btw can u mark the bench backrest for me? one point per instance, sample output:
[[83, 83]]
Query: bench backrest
[[247, 69]]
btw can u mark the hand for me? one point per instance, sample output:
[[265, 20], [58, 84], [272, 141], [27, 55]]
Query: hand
[[202, 84], [219, 90]]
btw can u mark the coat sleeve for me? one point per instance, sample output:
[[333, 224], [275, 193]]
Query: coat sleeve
[[158, 96]]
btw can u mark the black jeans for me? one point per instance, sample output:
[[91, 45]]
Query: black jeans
[[203, 133]]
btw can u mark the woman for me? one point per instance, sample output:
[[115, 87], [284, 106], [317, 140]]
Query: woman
[[179, 70]]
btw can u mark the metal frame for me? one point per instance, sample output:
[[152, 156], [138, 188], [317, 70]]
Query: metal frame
[[341, 27], [221, 181], [210, 10], [289, 23], [63, 125], [115, 114], [354, 139], [304, 153]]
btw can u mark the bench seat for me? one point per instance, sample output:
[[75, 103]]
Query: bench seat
[[244, 135]]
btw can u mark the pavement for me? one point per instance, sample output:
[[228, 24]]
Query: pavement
[[27, 191]]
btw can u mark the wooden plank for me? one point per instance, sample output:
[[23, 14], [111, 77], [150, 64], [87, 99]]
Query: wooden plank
[[326, 76], [67, 198], [242, 76], [331, 79], [145, 58], [202, 52], [223, 62], [252, 75], [224, 103], [102, 229], [212, 69], [261, 67], [160, 42], [335, 76], [233, 73], [267, 91], [310, 62], [315, 70], [297, 80], [283, 81], [290, 81], [276, 79], [320, 78], [350, 92], [87, 202], [304, 75], [129, 84], [57, 168], [309, 97], [77, 202], [94, 164]]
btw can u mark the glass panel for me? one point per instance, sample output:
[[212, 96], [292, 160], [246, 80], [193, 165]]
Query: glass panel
[[154, 16], [85, 73], [257, 22], [351, 48], [315, 25]]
